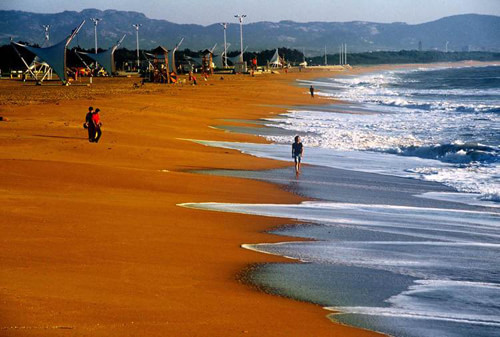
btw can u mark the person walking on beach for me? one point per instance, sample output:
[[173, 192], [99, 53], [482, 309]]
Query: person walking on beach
[[297, 152], [96, 119], [311, 90], [89, 124]]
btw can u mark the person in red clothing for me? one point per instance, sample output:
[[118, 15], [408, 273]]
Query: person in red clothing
[[96, 120]]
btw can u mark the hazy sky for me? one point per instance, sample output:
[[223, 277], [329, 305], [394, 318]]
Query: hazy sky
[[211, 11]]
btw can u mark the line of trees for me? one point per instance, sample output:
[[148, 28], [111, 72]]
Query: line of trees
[[9, 60], [406, 56]]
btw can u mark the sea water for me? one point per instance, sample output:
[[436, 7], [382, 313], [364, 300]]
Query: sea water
[[393, 264], [451, 115]]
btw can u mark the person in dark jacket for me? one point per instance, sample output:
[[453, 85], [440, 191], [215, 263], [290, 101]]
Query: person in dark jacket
[[89, 124], [297, 152]]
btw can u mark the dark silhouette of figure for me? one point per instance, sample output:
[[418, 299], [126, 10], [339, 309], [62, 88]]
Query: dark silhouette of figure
[[89, 124]]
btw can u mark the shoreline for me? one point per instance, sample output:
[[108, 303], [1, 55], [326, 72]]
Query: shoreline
[[133, 262], [103, 284]]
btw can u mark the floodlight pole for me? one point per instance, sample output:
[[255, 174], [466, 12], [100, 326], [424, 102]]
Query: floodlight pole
[[96, 22], [47, 32], [137, 25], [345, 53], [224, 24], [240, 18]]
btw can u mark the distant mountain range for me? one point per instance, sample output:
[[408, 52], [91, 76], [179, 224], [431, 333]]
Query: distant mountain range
[[462, 32]]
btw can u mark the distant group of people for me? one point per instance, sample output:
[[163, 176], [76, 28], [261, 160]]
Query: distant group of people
[[93, 125]]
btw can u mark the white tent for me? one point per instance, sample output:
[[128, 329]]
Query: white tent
[[276, 60]]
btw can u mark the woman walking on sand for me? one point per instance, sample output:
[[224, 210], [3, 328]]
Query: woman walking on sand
[[297, 152], [96, 119]]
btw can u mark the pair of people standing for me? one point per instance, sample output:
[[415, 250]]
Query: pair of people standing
[[93, 125]]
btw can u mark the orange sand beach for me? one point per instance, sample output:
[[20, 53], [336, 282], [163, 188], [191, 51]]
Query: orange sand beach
[[93, 242]]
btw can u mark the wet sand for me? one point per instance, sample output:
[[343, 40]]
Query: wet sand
[[93, 242]]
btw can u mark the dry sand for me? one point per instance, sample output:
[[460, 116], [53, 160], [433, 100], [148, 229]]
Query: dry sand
[[92, 241]]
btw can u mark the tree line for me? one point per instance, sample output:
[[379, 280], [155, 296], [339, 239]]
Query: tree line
[[9, 60]]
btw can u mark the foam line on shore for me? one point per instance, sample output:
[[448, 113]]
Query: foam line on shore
[[254, 247]]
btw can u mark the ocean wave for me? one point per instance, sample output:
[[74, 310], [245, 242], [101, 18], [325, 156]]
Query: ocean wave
[[480, 179], [419, 89], [410, 101], [457, 152]]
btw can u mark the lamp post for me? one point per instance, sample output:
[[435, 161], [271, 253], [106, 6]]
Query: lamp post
[[47, 33], [137, 25], [96, 22], [345, 53], [224, 24], [240, 18]]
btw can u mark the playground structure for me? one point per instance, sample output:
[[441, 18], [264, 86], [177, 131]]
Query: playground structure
[[159, 68], [207, 65], [205, 60]]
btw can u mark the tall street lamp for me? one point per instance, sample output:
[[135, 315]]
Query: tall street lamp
[[47, 34], [224, 24], [240, 18], [137, 25], [96, 22]]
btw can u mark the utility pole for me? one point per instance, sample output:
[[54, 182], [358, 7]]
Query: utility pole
[[137, 26], [446, 46], [326, 59], [224, 24], [96, 22], [240, 18]]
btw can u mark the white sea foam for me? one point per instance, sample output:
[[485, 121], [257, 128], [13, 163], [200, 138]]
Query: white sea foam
[[441, 300], [489, 320]]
